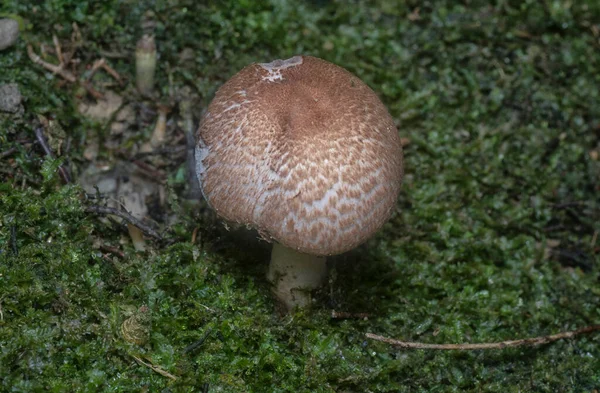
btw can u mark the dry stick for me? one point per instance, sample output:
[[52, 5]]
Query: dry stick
[[497, 345], [101, 63], [59, 54], [95, 67], [126, 216], [90, 89], [196, 344], [8, 152], [156, 369], [112, 250], [62, 71], [57, 69], [349, 315], [112, 72], [39, 134], [169, 150]]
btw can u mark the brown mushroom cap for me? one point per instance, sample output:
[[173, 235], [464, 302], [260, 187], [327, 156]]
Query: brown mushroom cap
[[304, 152]]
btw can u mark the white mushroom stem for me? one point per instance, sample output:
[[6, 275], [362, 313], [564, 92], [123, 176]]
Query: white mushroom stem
[[294, 275], [145, 64]]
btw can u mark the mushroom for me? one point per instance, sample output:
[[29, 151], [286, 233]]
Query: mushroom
[[145, 64], [305, 153]]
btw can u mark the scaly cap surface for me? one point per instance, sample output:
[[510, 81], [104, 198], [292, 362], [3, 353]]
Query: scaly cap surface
[[304, 152]]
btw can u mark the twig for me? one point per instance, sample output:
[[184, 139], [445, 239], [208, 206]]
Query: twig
[[150, 171], [39, 134], [57, 69], [154, 368], [533, 341], [112, 250], [8, 152], [90, 89], [76, 42], [162, 151], [95, 67], [59, 54], [112, 72], [114, 55], [196, 344], [125, 216], [64, 62], [349, 315], [101, 63]]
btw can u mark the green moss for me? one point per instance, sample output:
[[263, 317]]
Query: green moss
[[500, 105]]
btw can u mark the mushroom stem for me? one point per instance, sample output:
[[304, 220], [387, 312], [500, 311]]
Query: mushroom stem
[[145, 64], [294, 275]]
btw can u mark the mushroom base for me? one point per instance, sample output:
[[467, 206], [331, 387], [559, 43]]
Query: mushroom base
[[294, 275]]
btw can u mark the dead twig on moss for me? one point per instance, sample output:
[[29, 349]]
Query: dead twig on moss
[[56, 69], [525, 342], [101, 64], [8, 152], [147, 230], [154, 368], [112, 250], [111, 71], [349, 315], [66, 60], [198, 343]]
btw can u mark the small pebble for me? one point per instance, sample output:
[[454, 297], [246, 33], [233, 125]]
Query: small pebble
[[10, 98], [9, 32]]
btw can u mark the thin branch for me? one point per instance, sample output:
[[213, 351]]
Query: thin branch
[[91, 90], [147, 230], [174, 150], [8, 152], [533, 341], [112, 250], [112, 72], [95, 67], [198, 343], [349, 315], [56, 69], [58, 49], [154, 368]]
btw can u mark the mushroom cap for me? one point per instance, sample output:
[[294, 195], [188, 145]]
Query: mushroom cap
[[304, 152]]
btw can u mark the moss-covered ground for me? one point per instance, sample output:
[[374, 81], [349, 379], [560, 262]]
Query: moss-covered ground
[[495, 236]]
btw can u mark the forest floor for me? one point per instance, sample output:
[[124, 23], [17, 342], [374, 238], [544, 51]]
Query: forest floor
[[495, 235]]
